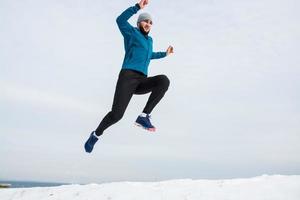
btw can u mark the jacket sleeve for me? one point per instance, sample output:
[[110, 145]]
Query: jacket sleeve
[[157, 55], [122, 20]]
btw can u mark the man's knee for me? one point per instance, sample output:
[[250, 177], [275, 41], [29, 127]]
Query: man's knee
[[164, 81]]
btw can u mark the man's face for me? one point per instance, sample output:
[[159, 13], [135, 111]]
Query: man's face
[[145, 25]]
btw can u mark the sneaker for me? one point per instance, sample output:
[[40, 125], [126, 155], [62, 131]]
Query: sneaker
[[145, 123], [89, 144]]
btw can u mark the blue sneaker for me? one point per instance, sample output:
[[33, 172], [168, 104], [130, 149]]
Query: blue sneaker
[[145, 123], [89, 144]]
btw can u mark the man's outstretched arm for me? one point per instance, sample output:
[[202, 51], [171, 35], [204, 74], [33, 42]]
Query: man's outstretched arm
[[157, 55], [122, 20]]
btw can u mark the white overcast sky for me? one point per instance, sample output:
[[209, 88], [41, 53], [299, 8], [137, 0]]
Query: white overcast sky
[[232, 109]]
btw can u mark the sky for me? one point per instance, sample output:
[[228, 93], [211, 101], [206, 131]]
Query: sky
[[232, 108]]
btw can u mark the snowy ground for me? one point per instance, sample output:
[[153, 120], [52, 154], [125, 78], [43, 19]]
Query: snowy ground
[[264, 187]]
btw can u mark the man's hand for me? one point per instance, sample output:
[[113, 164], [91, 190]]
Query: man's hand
[[170, 50], [143, 3]]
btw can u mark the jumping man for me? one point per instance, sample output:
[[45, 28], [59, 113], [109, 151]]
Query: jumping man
[[133, 77]]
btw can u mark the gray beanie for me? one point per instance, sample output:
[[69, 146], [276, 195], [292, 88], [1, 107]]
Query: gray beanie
[[144, 16]]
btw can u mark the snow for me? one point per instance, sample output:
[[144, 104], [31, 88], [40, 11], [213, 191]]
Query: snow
[[275, 187]]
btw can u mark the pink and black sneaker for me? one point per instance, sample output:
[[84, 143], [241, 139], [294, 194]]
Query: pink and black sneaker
[[143, 121]]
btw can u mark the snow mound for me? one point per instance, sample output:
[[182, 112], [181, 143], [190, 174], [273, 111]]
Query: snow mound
[[275, 187]]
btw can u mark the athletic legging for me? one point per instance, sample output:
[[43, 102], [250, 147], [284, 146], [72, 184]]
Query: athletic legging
[[132, 82]]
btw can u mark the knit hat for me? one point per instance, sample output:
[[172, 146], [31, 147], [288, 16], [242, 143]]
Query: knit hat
[[144, 16]]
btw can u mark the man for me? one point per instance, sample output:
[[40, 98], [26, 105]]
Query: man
[[133, 75]]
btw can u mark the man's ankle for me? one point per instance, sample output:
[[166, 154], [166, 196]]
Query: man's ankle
[[143, 114]]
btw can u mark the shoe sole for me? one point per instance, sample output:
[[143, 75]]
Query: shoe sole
[[148, 129]]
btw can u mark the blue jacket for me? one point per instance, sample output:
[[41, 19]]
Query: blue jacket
[[138, 47]]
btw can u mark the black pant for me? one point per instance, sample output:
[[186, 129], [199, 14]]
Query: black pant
[[133, 82]]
